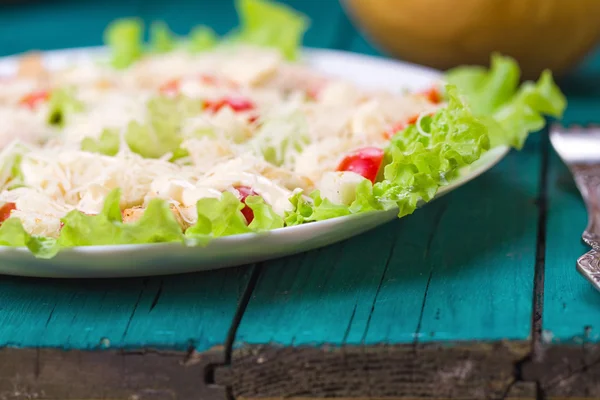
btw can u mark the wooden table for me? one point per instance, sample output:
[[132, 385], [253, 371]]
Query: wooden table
[[474, 296]]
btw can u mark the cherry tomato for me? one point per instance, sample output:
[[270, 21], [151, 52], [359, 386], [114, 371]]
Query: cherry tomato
[[33, 99], [5, 211], [171, 88], [243, 192], [433, 95], [365, 162], [237, 104]]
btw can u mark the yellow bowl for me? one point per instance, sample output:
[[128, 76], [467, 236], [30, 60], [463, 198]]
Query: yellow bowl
[[539, 34]]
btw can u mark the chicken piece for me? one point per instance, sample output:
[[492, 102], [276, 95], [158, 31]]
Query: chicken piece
[[287, 178], [133, 214]]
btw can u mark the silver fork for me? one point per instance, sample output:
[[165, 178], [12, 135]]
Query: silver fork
[[579, 148]]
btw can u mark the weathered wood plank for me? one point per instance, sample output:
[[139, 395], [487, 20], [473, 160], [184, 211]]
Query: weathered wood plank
[[461, 371], [567, 371], [84, 375]]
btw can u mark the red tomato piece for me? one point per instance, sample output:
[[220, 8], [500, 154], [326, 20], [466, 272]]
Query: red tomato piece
[[237, 104], [433, 95], [243, 192], [171, 88], [5, 211], [365, 162], [33, 99]]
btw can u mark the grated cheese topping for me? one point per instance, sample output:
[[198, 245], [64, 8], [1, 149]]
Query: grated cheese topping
[[182, 127]]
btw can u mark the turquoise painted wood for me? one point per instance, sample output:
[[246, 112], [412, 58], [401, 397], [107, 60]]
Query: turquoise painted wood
[[174, 312], [415, 279], [571, 305], [459, 269]]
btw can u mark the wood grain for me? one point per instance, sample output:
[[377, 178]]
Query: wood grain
[[461, 371], [174, 312], [47, 374], [567, 371]]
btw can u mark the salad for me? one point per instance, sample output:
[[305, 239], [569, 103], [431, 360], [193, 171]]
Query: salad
[[189, 139]]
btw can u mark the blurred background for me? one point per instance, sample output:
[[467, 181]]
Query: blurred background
[[559, 34]]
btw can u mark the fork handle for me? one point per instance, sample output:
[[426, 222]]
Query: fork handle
[[587, 179]]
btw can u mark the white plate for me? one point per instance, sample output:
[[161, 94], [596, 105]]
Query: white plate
[[169, 258]]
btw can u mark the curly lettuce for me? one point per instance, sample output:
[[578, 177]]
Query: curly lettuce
[[162, 40], [223, 217], [124, 37], [263, 23], [509, 111], [159, 136], [418, 161], [202, 38], [107, 143], [156, 225], [269, 24]]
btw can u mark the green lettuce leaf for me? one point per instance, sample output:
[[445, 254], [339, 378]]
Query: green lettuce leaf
[[301, 212], [423, 157], [265, 219], [223, 217], [509, 111], [162, 40], [218, 217], [62, 102], [162, 134], [315, 209], [365, 200], [262, 23], [13, 234], [11, 158], [108, 143], [157, 224], [202, 38], [269, 24], [125, 39], [419, 160]]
